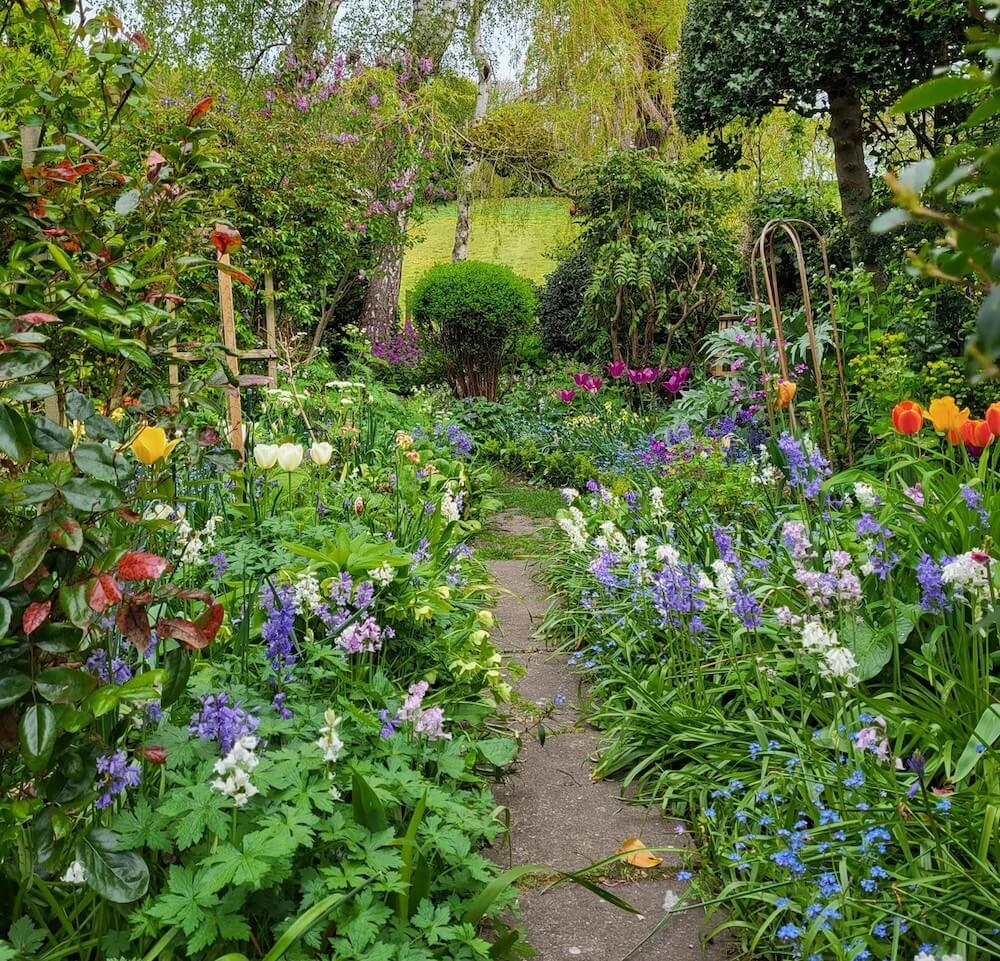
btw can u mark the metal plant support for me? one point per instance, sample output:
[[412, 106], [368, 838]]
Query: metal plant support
[[763, 259]]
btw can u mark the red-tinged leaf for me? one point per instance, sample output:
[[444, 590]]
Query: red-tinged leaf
[[141, 566], [37, 317], [154, 754], [225, 238], [133, 622], [154, 161], [253, 380], [129, 516], [210, 620], [208, 437], [103, 593], [139, 39], [193, 594], [66, 533], [242, 278], [35, 615], [200, 109], [185, 632]]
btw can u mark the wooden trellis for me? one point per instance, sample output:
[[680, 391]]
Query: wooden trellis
[[227, 323], [718, 369]]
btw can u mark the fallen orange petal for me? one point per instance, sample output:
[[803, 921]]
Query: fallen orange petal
[[641, 857]]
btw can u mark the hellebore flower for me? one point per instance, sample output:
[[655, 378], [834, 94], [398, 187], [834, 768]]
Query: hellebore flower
[[947, 418], [976, 434], [290, 456], [266, 455], [786, 391], [993, 418], [151, 445], [907, 417], [321, 452], [566, 396], [618, 368]]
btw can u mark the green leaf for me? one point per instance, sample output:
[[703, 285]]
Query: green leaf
[[872, 650], [481, 903], [30, 548], [890, 220], [127, 202], [368, 809], [49, 436], [78, 406], [26, 937], [178, 670], [100, 461], [15, 438], [22, 362], [119, 876], [89, 495], [13, 687], [20, 393], [63, 685], [499, 751], [934, 92], [5, 617], [986, 732], [6, 570], [37, 732]]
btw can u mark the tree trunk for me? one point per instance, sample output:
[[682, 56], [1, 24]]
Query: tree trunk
[[431, 28], [313, 24], [484, 67], [853, 180]]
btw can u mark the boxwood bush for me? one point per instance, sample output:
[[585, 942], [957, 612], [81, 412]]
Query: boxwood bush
[[472, 312]]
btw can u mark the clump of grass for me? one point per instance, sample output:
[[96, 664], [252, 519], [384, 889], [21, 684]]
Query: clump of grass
[[534, 501]]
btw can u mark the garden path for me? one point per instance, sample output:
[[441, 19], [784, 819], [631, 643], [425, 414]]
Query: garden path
[[563, 818]]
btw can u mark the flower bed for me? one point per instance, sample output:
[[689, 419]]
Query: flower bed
[[808, 675]]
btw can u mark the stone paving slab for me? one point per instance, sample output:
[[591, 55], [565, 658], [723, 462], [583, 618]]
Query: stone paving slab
[[561, 817]]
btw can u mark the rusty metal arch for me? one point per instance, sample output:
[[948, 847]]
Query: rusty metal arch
[[762, 258]]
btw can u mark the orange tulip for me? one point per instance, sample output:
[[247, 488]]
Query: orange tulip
[[993, 417], [947, 418], [907, 417], [976, 433], [786, 391]]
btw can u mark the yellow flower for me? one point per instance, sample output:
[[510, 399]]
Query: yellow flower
[[117, 414], [947, 418], [151, 445], [79, 430]]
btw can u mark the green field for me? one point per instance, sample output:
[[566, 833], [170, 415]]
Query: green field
[[518, 232]]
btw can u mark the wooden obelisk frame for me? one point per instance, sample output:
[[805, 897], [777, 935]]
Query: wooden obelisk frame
[[227, 324]]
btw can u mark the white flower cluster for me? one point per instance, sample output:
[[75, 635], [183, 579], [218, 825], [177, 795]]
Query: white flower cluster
[[969, 574], [449, 506], [383, 574], [836, 661], [574, 526], [611, 539], [306, 592], [656, 505], [76, 873], [764, 473], [331, 745], [569, 494], [725, 579], [234, 771], [927, 956], [191, 544], [865, 495], [668, 554]]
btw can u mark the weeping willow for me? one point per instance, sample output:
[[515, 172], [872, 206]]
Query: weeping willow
[[609, 66]]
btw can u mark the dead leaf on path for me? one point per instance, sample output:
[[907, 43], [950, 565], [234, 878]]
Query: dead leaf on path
[[637, 854]]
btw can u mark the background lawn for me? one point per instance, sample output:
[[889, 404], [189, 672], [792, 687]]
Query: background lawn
[[518, 232]]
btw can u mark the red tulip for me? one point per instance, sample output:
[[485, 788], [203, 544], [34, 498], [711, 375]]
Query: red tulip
[[976, 434], [907, 417], [993, 418]]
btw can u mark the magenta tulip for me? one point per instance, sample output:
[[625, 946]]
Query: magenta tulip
[[593, 385], [582, 378], [616, 369], [566, 396]]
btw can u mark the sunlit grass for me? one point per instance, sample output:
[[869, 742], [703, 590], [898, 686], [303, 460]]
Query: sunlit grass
[[519, 232]]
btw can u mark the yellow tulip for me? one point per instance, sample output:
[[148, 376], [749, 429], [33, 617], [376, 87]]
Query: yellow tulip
[[151, 445], [947, 418]]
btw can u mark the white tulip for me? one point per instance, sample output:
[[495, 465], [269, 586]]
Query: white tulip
[[321, 452], [266, 455], [290, 456]]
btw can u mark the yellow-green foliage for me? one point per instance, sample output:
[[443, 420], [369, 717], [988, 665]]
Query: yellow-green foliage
[[518, 232]]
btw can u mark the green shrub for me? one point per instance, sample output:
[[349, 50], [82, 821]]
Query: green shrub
[[473, 312], [561, 302]]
